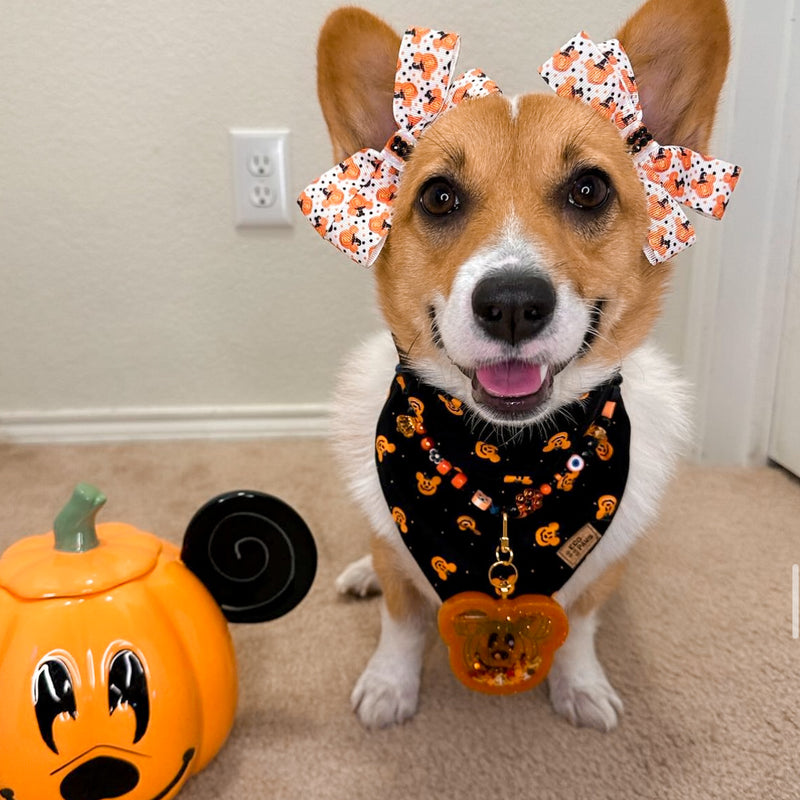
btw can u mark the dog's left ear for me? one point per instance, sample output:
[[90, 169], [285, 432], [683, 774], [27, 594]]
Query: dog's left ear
[[679, 50], [356, 65]]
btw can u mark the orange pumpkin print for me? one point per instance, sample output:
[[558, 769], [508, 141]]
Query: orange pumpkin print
[[453, 405], [606, 506], [406, 91], [704, 185], [605, 107], [732, 178], [684, 231], [399, 516], [567, 89], [383, 446], [558, 441], [461, 92], [547, 535], [386, 193], [467, 523], [427, 486], [380, 224], [597, 72], [658, 208], [657, 240], [334, 196], [358, 204], [487, 451], [605, 450], [447, 40], [349, 239], [674, 185], [349, 170], [417, 35], [442, 567], [427, 62], [627, 82], [563, 59], [417, 405], [567, 481], [305, 203], [434, 102], [662, 160]]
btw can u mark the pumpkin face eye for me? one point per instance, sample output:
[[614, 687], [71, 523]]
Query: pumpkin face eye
[[53, 695], [127, 685]]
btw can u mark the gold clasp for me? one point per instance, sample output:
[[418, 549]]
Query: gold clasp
[[503, 573]]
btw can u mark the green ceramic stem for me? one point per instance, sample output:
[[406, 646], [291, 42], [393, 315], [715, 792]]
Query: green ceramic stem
[[74, 526]]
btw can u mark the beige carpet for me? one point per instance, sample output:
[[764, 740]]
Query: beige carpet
[[698, 644]]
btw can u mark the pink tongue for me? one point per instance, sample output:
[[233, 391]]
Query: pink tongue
[[510, 378]]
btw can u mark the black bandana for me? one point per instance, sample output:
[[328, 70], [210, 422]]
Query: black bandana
[[448, 478]]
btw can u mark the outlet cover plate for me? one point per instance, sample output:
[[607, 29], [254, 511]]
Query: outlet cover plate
[[261, 177]]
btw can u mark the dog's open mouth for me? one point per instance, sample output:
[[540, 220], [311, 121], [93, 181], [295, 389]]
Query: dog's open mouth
[[512, 387]]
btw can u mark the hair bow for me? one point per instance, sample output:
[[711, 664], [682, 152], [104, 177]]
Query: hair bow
[[350, 205], [601, 75]]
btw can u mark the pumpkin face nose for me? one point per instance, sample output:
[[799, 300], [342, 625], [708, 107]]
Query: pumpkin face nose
[[102, 777]]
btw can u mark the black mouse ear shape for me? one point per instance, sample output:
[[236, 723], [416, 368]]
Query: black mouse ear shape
[[253, 552]]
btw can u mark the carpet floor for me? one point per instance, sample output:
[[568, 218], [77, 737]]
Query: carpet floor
[[698, 643]]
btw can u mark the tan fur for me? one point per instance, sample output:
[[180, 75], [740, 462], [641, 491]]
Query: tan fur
[[599, 591], [402, 598], [359, 89], [516, 168], [679, 50]]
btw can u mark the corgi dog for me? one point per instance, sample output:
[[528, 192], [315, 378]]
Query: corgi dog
[[513, 283]]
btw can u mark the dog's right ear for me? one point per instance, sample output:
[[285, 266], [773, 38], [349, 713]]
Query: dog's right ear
[[356, 66]]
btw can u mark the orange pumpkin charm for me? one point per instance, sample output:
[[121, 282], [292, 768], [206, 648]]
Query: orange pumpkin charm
[[501, 645], [116, 664]]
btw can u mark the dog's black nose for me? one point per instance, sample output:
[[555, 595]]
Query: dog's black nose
[[513, 306], [101, 778]]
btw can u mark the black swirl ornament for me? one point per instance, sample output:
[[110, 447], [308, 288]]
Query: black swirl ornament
[[253, 552]]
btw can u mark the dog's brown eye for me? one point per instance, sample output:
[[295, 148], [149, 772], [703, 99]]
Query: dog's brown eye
[[589, 191], [438, 197]]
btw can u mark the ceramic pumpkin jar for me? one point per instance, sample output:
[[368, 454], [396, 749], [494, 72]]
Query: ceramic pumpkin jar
[[117, 669]]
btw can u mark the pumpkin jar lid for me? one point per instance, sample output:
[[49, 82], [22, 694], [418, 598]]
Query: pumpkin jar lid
[[78, 557]]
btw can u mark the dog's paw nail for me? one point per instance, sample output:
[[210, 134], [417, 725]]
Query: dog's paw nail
[[593, 705], [381, 701]]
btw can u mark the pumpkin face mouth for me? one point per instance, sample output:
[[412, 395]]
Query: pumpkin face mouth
[[106, 777]]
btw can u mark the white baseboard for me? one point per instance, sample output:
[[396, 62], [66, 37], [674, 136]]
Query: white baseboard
[[178, 422]]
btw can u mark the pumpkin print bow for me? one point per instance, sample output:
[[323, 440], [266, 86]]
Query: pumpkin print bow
[[351, 204], [601, 75]]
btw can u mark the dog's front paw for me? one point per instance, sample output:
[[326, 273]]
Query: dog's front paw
[[588, 701], [384, 696], [358, 579]]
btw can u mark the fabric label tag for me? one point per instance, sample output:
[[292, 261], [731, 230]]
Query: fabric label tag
[[578, 545]]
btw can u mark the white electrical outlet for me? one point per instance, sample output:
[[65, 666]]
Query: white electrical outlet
[[261, 177]]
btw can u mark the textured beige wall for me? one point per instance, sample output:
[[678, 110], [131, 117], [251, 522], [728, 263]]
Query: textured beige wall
[[124, 282]]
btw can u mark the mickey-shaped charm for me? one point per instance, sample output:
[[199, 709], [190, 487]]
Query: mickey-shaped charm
[[501, 645], [117, 669]]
